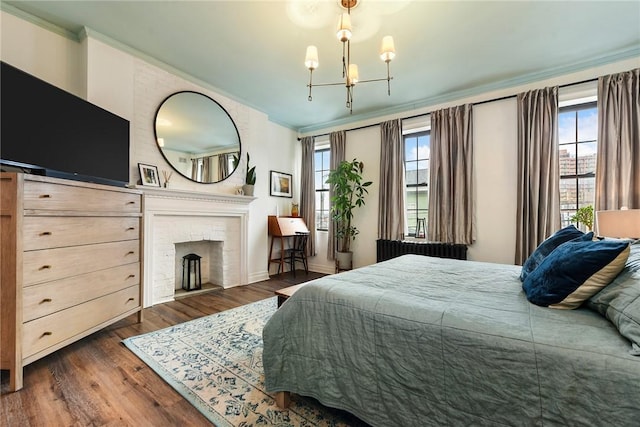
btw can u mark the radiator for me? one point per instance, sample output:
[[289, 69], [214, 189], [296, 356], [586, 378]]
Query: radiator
[[387, 249]]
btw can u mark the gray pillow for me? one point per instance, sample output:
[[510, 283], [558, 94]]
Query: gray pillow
[[620, 300]]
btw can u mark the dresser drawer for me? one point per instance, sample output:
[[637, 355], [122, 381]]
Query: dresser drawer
[[47, 331], [49, 196], [52, 264], [47, 298], [43, 232]]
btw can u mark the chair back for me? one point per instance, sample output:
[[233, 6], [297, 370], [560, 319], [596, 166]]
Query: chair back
[[300, 241]]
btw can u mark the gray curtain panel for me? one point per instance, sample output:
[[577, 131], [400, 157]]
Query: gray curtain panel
[[538, 204], [451, 196], [391, 194], [223, 166], [337, 142], [618, 158], [308, 191]]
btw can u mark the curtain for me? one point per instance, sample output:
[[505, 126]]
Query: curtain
[[194, 169], [618, 158], [392, 188], [308, 191], [451, 196], [206, 169], [223, 166], [336, 150], [538, 204]]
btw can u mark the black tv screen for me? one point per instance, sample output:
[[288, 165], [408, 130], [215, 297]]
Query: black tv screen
[[47, 129]]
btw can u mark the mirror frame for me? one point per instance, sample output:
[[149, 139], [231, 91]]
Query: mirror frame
[[155, 134]]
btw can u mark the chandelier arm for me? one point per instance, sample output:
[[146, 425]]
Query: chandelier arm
[[328, 84], [388, 79], [375, 80], [310, 85]]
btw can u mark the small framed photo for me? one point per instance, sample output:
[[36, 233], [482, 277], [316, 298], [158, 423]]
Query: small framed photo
[[280, 184], [149, 175]]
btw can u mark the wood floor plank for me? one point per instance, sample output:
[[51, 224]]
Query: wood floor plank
[[97, 381]]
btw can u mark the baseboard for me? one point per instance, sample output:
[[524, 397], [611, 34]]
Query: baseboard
[[259, 276]]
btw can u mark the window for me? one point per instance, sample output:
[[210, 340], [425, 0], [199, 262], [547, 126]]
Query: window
[[417, 148], [578, 135], [321, 161]]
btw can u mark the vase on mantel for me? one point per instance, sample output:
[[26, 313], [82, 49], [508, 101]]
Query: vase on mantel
[[247, 189]]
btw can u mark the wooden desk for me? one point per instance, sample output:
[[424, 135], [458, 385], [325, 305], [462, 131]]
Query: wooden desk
[[281, 227]]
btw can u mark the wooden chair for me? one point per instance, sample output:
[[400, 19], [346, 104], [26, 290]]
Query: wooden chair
[[297, 252]]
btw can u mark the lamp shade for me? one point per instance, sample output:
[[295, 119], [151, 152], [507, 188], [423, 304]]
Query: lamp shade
[[353, 76], [622, 223], [387, 49], [344, 27], [311, 59]]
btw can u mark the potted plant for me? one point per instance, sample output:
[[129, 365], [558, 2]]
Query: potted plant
[[584, 215], [250, 177], [348, 193]]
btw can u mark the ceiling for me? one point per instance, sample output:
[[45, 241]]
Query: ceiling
[[253, 51]]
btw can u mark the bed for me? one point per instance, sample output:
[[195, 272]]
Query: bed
[[428, 341]]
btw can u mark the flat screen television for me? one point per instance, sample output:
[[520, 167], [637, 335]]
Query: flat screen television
[[48, 131]]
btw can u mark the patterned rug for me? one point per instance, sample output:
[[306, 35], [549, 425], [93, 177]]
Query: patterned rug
[[215, 362]]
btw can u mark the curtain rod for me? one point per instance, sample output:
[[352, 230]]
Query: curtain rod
[[474, 103]]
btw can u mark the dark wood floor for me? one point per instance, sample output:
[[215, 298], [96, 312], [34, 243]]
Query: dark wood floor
[[97, 381]]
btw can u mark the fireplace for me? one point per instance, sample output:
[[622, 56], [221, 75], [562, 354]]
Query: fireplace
[[212, 225]]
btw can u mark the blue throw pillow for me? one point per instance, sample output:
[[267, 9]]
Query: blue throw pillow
[[575, 271], [570, 232]]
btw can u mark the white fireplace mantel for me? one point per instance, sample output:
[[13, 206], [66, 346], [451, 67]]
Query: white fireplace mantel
[[177, 216]]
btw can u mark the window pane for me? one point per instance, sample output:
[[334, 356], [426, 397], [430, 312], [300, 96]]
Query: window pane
[[567, 158], [586, 191], [410, 199], [587, 157], [326, 158], [424, 147], [565, 217], [568, 193], [423, 198], [410, 149], [318, 180], [412, 222], [411, 175], [588, 124], [567, 126]]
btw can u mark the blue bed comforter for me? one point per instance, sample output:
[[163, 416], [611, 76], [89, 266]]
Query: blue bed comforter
[[419, 341]]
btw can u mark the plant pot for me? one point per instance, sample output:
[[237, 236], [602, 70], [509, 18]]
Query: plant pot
[[247, 189], [344, 260]]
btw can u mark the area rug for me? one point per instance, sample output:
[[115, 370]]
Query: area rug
[[215, 362]]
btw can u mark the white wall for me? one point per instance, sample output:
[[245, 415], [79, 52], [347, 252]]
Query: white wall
[[495, 163], [131, 87]]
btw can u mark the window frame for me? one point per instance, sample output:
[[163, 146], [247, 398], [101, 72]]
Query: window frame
[[323, 191], [415, 135], [575, 144]]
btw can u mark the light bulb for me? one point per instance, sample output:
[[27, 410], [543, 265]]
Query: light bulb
[[387, 49], [311, 59], [344, 28]]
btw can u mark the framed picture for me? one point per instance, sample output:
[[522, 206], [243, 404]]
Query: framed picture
[[280, 184], [149, 175]]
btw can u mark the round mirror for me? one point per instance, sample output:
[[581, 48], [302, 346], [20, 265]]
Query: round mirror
[[197, 137]]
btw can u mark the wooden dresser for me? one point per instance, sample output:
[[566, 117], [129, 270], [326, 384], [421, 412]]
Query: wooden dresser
[[70, 257]]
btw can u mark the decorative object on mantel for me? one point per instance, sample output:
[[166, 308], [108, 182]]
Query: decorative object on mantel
[[149, 175], [349, 70], [294, 209], [348, 193], [167, 177], [280, 184], [250, 177]]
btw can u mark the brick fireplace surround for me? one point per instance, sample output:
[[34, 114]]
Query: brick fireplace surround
[[176, 216]]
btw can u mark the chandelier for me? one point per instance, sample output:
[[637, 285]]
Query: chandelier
[[349, 70]]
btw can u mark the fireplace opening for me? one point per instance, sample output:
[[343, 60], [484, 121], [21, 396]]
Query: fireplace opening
[[211, 265]]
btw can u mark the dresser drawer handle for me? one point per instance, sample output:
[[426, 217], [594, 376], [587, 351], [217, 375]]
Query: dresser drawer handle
[[131, 276], [131, 299], [45, 196], [130, 253], [45, 300], [44, 334], [45, 233], [131, 203], [131, 228], [45, 267]]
